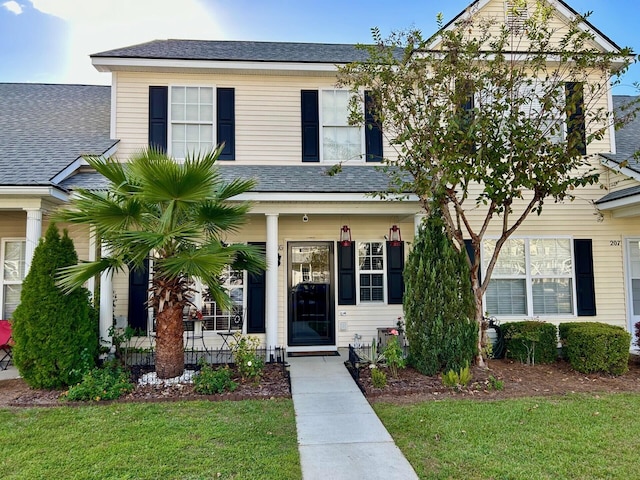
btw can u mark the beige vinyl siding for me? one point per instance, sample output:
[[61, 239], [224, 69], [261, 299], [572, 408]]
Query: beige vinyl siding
[[13, 224], [614, 181], [267, 112]]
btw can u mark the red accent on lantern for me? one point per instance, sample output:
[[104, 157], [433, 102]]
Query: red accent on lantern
[[394, 236], [345, 236]]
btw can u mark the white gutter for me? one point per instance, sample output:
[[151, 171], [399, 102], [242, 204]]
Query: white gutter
[[35, 192], [106, 64]]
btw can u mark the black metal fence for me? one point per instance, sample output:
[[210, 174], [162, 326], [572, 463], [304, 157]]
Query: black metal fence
[[146, 357]]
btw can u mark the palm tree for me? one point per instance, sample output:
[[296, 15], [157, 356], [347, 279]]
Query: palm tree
[[177, 213]]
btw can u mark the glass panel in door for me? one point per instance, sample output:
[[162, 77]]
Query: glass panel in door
[[311, 319]]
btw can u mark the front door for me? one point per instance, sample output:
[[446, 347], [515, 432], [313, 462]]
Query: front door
[[311, 318], [633, 281]]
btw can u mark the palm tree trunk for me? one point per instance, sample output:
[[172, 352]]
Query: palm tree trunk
[[169, 344]]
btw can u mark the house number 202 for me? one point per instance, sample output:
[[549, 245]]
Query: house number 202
[[614, 243]]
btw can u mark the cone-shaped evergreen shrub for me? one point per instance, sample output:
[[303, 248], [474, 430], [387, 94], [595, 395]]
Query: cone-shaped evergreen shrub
[[55, 333], [438, 303]]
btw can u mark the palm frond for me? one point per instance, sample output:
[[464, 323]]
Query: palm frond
[[218, 217], [74, 276], [236, 187]]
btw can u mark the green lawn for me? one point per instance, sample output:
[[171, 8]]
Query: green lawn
[[187, 440], [574, 437]]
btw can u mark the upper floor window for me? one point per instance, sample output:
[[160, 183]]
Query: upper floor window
[[340, 141], [191, 129], [326, 133], [532, 277], [13, 273]]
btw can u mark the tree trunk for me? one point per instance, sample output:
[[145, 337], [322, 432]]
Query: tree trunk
[[482, 327], [169, 343]]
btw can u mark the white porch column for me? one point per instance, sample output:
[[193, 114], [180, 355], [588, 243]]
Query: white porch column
[[106, 300], [271, 281], [417, 221], [34, 232]]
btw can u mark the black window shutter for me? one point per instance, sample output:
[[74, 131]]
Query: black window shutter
[[310, 126], [158, 117], [372, 132], [346, 274], [395, 267], [256, 299], [585, 288], [576, 130], [226, 130], [138, 296]]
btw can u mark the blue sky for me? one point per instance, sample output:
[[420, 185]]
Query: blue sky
[[49, 41]]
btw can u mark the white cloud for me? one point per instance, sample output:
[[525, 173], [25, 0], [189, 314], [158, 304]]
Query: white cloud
[[13, 7], [99, 25]]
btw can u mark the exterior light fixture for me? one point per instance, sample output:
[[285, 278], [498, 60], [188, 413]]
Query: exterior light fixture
[[394, 236], [345, 236]]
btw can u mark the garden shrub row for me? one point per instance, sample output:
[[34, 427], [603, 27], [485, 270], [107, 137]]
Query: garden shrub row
[[588, 346], [595, 347]]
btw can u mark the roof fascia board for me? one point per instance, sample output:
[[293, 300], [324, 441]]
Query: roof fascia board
[[617, 168], [22, 191], [107, 64], [317, 197], [77, 163]]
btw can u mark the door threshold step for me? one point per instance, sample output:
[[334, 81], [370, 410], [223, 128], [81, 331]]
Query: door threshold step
[[314, 354]]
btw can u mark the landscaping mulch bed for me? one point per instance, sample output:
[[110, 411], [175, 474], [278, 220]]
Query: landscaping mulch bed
[[518, 379], [274, 383]]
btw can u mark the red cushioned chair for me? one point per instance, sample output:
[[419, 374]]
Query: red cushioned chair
[[6, 343]]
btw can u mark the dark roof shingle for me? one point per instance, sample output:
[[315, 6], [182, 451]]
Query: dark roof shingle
[[247, 51], [44, 128]]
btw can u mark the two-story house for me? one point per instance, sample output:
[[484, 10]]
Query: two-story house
[[335, 253]]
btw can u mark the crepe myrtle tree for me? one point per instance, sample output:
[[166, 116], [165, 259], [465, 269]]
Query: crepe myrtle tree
[[176, 213], [489, 118]]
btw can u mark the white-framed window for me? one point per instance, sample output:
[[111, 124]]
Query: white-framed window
[[216, 319], [532, 277], [371, 272], [13, 272], [339, 140], [191, 119]]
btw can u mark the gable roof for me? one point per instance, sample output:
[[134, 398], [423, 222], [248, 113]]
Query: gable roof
[[627, 137], [44, 128], [246, 51], [559, 5]]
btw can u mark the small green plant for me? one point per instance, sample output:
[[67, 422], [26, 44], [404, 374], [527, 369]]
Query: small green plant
[[457, 380], [372, 356], [394, 356], [245, 356], [126, 340], [494, 383], [107, 383], [209, 380], [378, 377]]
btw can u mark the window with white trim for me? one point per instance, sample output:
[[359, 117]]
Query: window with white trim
[[532, 277], [219, 319], [191, 120], [340, 141], [371, 271], [13, 273]]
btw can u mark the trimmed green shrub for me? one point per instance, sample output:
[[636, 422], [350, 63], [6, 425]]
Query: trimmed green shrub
[[378, 378], [596, 347], [438, 303], [209, 381], [97, 384], [56, 333], [531, 342]]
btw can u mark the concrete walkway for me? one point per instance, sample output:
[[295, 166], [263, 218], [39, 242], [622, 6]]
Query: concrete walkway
[[9, 373], [339, 435]]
